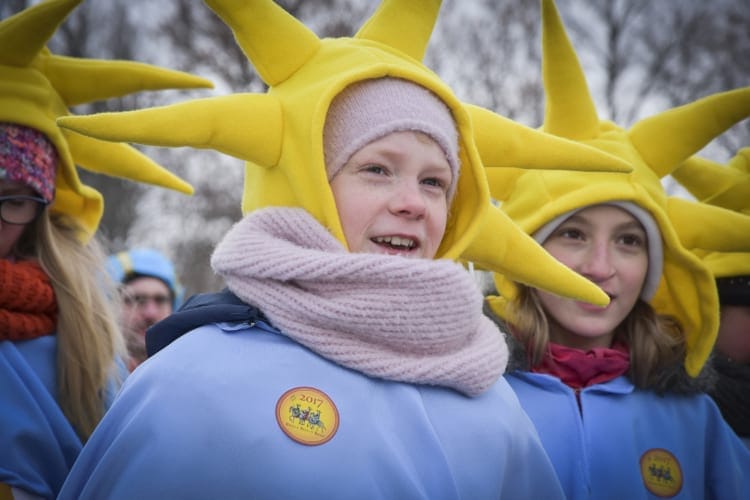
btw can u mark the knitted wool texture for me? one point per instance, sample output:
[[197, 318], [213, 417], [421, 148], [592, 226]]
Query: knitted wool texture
[[28, 308], [26, 156], [369, 110], [407, 320]]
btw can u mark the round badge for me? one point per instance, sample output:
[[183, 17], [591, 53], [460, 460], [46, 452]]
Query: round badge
[[307, 415], [661, 472]]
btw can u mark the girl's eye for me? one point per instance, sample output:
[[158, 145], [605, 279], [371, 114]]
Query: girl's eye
[[633, 240], [434, 181], [570, 233], [374, 169]]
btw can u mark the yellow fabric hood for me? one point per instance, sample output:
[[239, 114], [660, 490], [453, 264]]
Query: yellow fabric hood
[[653, 147], [279, 134], [726, 187], [37, 87]]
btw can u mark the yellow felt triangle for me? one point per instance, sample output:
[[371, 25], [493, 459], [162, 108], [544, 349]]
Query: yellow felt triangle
[[727, 187], [726, 264], [36, 87], [569, 109], [274, 41], [221, 123], [25, 34], [393, 18], [80, 81], [741, 163], [528, 148], [710, 182], [706, 227], [516, 252], [502, 181], [122, 160], [667, 139]]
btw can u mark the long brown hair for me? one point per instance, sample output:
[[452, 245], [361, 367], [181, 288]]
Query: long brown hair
[[88, 338], [655, 341]]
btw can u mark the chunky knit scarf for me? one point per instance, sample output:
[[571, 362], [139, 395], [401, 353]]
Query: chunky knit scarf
[[28, 308], [408, 320]]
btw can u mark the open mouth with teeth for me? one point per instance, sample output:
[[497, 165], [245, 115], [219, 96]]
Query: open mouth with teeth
[[395, 242]]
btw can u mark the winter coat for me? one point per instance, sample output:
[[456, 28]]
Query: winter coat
[[38, 443], [238, 410], [613, 440]]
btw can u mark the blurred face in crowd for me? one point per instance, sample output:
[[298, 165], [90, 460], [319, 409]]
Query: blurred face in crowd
[[607, 245], [145, 301], [391, 196]]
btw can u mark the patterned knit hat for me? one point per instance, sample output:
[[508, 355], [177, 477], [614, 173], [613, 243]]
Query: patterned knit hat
[[369, 110], [27, 156], [37, 87]]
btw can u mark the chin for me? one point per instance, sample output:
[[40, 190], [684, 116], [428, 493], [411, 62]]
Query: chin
[[605, 335]]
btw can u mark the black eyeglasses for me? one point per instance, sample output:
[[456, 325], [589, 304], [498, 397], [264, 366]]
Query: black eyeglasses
[[140, 300], [20, 209]]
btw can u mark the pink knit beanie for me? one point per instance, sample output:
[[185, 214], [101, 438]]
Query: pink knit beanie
[[368, 110], [27, 156]]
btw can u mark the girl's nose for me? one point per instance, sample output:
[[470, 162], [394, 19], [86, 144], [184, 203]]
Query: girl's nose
[[408, 200], [597, 264]]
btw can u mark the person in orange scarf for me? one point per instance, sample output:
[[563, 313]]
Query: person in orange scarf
[[60, 347]]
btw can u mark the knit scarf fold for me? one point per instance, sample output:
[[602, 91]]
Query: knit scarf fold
[[578, 368], [391, 317], [28, 308]]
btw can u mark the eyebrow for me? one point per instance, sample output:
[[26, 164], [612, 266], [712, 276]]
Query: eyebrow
[[632, 224], [394, 154]]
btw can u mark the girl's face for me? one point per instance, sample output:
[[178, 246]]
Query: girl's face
[[392, 196], [607, 245], [10, 233]]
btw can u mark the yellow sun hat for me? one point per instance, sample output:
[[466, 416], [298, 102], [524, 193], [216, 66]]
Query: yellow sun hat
[[653, 147], [37, 87], [279, 134], [726, 187]]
